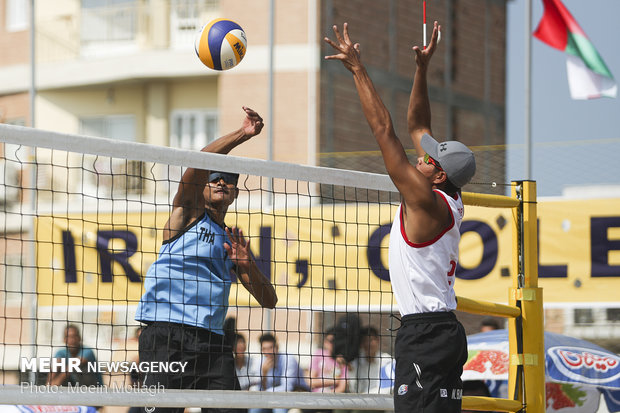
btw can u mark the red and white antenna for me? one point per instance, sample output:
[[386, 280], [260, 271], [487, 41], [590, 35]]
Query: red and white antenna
[[424, 23], [424, 26]]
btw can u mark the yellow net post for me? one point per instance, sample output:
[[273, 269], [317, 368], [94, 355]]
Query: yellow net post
[[527, 362], [526, 378]]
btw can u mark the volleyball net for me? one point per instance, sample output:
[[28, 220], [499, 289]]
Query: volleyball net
[[83, 221]]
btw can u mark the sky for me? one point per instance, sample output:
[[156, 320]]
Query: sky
[[574, 142]]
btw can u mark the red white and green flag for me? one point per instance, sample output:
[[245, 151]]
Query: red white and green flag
[[588, 75]]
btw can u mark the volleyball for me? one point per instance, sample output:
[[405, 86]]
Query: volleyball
[[221, 44]]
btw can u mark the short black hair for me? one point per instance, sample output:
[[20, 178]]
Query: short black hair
[[267, 337], [451, 189], [75, 327], [490, 322], [369, 331], [238, 337]]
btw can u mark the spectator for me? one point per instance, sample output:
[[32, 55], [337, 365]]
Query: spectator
[[245, 364], [367, 368], [347, 337], [328, 371], [489, 324], [278, 372], [230, 330], [75, 349]]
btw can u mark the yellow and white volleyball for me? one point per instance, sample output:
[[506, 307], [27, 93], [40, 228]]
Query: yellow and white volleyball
[[221, 44]]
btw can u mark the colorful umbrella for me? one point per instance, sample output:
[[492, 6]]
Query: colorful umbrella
[[577, 371]]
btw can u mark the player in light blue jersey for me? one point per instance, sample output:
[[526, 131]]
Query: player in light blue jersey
[[187, 288]]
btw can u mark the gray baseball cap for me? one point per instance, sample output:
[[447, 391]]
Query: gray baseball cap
[[456, 159]]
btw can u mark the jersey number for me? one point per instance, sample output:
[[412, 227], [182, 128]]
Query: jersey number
[[451, 272]]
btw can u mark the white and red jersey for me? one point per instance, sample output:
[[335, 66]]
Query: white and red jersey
[[422, 275]]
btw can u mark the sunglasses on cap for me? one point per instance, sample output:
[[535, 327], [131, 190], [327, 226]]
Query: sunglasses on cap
[[430, 161]]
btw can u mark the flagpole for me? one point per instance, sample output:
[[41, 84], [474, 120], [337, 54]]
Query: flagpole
[[527, 122]]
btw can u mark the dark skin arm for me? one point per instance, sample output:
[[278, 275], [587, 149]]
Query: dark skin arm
[[426, 214], [248, 272], [189, 201], [419, 111]]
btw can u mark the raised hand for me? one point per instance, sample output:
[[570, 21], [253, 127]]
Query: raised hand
[[348, 52], [252, 124], [423, 56], [238, 248]]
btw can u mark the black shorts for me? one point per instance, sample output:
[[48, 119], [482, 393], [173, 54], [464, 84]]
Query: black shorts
[[431, 349], [210, 364]]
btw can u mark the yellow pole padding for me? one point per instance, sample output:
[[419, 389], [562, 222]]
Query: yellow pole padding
[[530, 236], [515, 388], [490, 404], [526, 294], [491, 201], [486, 308], [532, 309]]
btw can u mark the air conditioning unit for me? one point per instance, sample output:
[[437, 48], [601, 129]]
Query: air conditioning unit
[[127, 176]]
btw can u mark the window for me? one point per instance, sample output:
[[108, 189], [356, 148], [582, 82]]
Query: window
[[108, 27], [115, 127], [187, 17], [583, 316], [17, 13], [193, 129], [112, 176], [613, 315]]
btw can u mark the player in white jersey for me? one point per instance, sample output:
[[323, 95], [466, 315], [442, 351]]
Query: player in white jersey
[[431, 346]]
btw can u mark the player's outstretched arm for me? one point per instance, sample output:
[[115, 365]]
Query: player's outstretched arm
[[189, 202], [410, 182], [252, 278], [419, 111], [190, 192]]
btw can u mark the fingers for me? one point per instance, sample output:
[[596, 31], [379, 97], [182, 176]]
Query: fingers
[[339, 56], [345, 30], [343, 39], [240, 237], [236, 236], [337, 33], [435, 36], [330, 42], [252, 114], [417, 51]]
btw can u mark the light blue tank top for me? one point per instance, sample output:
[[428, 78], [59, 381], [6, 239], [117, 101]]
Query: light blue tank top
[[189, 283]]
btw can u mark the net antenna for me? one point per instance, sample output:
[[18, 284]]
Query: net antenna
[[424, 26], [424, 23]]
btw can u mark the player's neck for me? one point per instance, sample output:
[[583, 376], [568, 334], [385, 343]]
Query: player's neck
[[216, 214]]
